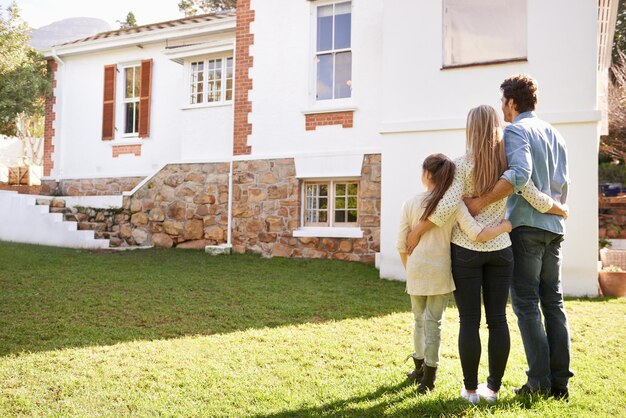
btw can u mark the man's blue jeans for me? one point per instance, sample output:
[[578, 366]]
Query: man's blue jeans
[[537, 281]]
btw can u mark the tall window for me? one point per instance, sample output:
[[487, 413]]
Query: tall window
[[331, 203], [211, 80], [333, 51], [132, 84], [483, 31]]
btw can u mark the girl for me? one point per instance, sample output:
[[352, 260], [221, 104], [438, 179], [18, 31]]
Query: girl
[[429, 277]]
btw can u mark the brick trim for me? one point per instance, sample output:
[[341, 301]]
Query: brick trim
[[313, 120], [48, 136], [126, 149], [243, 83]]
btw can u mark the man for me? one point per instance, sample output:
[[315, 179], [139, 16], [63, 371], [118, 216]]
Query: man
[[535, 150]]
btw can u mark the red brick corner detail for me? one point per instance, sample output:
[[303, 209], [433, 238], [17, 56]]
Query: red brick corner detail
[[313, 120], [126, 149], [48, 135], [243, 83]]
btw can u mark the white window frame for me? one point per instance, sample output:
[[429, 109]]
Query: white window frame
[[125, 100], [205, 86], [330, 223], [332, 51]]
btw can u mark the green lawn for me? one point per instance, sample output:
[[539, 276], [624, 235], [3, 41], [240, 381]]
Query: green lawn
[[179, 333]]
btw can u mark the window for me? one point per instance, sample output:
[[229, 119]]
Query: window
[[483, 31], [331, 203], [333, 51], [132, 84], [211, 80]]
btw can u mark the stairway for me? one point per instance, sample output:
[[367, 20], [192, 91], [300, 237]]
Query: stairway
[[23, 220]]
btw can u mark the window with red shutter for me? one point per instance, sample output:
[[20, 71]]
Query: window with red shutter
[[108, 106]]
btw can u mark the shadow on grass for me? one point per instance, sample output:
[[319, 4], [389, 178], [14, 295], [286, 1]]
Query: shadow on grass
[[55, 298], [393, 401]]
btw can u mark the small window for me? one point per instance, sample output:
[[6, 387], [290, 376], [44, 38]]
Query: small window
[[484, 31], [331, 203], [211, 80], [132, 84], [333, 51]]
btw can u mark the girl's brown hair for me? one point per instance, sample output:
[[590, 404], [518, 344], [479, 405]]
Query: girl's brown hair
[[441, 170], [485, 147]]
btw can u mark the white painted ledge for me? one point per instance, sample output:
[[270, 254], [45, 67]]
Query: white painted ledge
[[324, 232], [395, 127]]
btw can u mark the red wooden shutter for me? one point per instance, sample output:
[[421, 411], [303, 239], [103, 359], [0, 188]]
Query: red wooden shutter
[[108, 106], [144, 98]]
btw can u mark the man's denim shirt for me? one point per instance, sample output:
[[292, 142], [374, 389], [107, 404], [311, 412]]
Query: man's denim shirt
[[535, 150]]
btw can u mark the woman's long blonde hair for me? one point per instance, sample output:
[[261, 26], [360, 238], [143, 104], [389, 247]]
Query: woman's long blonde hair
[[485, 147]]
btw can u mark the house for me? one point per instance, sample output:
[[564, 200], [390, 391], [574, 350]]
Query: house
[[297, 128]]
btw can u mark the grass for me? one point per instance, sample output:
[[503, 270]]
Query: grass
[[179, 333]]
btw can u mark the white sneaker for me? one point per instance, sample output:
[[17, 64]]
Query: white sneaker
[[487, 394], [472, 397]]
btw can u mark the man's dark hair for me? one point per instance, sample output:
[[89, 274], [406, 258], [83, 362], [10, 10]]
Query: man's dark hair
[[522, 88]]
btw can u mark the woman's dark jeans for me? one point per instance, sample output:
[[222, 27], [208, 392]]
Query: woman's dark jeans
[[490, 272]]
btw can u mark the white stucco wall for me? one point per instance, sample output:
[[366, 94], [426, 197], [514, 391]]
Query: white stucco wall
[[177, 132], [283, 74]]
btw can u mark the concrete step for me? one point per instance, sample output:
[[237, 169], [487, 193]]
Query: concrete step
[[26, 218]]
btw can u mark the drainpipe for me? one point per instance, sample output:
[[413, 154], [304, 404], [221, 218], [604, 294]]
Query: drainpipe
[[59, 61], [230, 204], [53, 52]]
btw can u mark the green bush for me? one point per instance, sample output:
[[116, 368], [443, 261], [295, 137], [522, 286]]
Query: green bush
[[612, 173]]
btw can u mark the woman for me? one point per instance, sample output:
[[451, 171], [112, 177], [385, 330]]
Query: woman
[[485, 267]]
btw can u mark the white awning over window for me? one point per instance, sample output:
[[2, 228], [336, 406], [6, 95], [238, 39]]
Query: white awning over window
[[329, 166]]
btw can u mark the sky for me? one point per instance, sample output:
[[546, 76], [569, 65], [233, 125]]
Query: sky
[[38, 13]]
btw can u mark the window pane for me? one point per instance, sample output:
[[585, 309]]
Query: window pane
[[218, 69], [340, 203], [310, 190], [137, 82], [483, 31], [128, 79], [323, 189], [323, 203], [324, 28], [131, 120], [325, 77], [340, 189], [353, 189], [352, 216], [229, 90], [340, 216], [342, 25], [322, 216], [352, 203], [343, 75]]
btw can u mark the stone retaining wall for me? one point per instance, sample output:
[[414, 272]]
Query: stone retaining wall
[[184, 205], [89, 187]]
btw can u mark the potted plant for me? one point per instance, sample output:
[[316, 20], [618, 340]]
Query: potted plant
[[612, 280]]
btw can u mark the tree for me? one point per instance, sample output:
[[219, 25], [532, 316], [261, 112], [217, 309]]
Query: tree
[[23, 84], [130, 21], [24, 81], [614, 144], [193, 7]]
